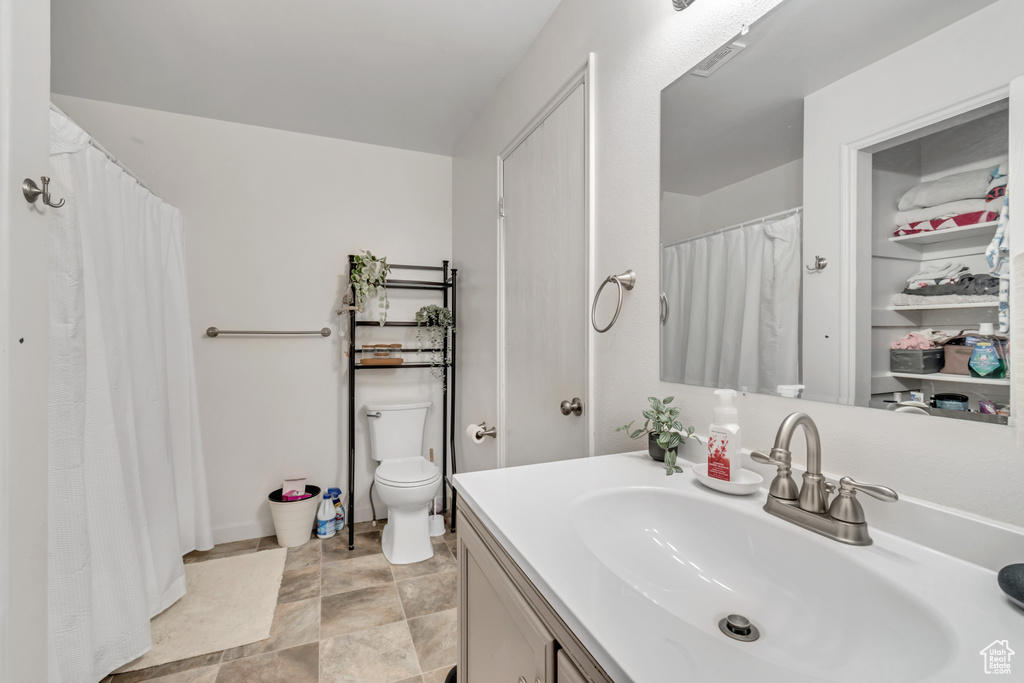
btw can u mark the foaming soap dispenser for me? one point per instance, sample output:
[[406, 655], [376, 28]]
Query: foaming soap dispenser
[[724, 443]]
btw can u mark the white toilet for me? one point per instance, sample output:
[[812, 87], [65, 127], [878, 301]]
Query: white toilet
[[405, 480]]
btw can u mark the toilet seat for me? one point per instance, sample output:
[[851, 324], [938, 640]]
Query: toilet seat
[[407, 472]]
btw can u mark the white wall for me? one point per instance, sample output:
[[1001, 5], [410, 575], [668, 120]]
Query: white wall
[[777, 189], [680, 216], [641, 48], [270, 217]]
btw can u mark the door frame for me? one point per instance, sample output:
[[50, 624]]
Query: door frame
[[24, 339], [585, 77]]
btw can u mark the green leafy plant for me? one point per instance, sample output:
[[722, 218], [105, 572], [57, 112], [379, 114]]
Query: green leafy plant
[[434, 323], [369, 279], [664, 422]]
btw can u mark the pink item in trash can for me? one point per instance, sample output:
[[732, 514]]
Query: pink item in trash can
[[294, 489]]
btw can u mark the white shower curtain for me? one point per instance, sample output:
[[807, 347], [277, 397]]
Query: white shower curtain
[[127, 483], [734, 307]]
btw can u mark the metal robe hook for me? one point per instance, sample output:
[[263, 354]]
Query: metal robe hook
[[820, 263], [32, 192]]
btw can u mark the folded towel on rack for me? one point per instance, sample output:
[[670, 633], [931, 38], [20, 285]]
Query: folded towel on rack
[[913, 300], [947, 210], [937, 274], [965, 284], [938, 270], [966, 185], [959, 221]]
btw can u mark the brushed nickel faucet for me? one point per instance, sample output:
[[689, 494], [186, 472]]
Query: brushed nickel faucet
[[807, 506]]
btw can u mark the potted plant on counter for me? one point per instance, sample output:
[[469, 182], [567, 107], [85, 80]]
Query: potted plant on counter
[[664, 432]]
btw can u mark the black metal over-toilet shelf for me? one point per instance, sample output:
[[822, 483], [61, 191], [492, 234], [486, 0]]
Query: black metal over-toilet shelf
[[446, 286]]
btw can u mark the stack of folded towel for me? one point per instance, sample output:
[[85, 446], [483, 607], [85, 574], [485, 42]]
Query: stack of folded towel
[[936, 274], [947, 283], [953, 201]]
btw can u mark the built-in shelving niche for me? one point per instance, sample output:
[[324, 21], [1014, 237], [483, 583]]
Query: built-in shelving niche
[[976, 139]]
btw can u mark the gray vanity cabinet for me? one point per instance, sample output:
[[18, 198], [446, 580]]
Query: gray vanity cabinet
[[507, 630]]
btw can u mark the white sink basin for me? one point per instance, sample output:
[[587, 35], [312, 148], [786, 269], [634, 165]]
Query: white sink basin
[[820, 610]]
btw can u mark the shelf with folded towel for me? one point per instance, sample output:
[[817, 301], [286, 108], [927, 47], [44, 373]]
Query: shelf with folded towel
[[944, 307], [958, 379], [982, 232]]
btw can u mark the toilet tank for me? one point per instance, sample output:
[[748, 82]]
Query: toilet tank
[[398, 432]]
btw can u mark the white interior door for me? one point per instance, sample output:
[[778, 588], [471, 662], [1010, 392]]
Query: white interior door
[[544, 293], [24, 277]]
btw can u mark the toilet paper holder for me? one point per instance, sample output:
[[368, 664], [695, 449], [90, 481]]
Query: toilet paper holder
[[479, 431]]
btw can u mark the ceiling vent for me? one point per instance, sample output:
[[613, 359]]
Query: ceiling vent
[[717, 59]]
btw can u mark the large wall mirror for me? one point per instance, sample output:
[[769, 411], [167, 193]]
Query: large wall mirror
[[831, 182]]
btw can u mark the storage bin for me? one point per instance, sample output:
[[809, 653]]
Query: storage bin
[[957, 358], [916, 361]]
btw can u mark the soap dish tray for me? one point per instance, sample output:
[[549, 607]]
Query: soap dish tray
[[749, 481]]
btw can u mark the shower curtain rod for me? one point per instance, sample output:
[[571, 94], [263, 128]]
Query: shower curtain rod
[[780, 214], [101, 148]]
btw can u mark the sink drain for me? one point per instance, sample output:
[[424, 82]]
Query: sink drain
[[739, 627]]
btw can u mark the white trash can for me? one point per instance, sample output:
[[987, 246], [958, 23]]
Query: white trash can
[[294, 519]]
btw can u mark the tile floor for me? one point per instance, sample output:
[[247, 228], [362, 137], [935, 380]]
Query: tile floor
[[342, 617]]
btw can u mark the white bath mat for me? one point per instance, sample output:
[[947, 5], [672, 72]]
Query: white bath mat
[[229, 602]]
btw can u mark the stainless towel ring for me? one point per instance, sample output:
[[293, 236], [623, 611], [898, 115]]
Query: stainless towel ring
[[625, 281]]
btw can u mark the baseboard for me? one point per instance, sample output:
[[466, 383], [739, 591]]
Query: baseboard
[[243, 532]]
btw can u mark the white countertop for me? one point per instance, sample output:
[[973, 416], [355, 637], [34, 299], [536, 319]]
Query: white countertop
[[527, 509]]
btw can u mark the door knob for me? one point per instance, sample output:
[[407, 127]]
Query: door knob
[[574, 407]]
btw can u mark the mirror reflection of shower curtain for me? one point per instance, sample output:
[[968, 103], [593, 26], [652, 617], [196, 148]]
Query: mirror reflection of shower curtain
[[734, 302], [126, 469]]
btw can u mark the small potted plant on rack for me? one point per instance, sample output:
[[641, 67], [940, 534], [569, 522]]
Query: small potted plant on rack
[[369, 279], [437, 321], [665, 433]]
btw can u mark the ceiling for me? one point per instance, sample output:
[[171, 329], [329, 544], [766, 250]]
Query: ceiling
[[747, 117], [412, 75]]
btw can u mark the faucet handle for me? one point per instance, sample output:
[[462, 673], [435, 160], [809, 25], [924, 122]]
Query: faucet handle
[[874, 490], [846, 508], [782, 486]]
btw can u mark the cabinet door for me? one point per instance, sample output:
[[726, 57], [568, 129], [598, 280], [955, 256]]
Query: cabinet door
[[566, 671], [502, 639]]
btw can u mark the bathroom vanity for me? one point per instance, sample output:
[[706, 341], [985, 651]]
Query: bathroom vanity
[[604, 569], [507, 627]]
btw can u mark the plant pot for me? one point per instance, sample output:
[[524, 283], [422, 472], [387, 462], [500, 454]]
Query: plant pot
[[294, 519], [653, 449]]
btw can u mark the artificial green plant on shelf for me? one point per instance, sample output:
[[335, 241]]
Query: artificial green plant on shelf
[[369, 279], [662, 422], [437, 320]]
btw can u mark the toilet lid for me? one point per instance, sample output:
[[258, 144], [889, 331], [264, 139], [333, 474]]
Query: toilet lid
[[407, 472]]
